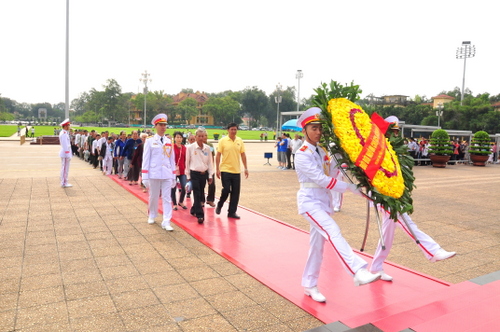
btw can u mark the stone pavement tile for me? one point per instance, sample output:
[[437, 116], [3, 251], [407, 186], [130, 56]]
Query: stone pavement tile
[[189, 309], [71, 255], [173, 293], [107, 322], [83, 290], [90, 306], [242, 280], [113, 272], [229, 301], [83, 265], [37, 282], [110, 261], [212, 286], [213, 323], [284, 310], [11, 282], [7, 320], [8, 301], [77, 277], [126, 284], [153, 267], [224, 268], [198, 273], [304, 323], [251, 318], [49, 327], [47, 314], [135, 299], [35, 297], [148, 317], [261, 294], [73, 246], [167, 278], [184, 262], [144, 257]]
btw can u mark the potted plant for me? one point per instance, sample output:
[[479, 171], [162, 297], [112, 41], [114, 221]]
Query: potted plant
[[216, 136], [440, 149], [480, 148]]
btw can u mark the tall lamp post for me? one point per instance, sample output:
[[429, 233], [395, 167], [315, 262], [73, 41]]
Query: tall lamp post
[[439, 113], [145, 79], [277, 100], [464, 52], [298, 76]]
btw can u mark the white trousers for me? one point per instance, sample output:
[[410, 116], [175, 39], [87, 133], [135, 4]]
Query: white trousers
[[64, 170], [427, 244], [155, 187], [324, 228], [107, 165], [337, 199]]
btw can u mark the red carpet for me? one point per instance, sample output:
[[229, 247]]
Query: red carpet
[[274, 253]]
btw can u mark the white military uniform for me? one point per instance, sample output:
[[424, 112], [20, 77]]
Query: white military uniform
[[65, 154], [158, 166], [107, 162], [427, 244], [314, 201]]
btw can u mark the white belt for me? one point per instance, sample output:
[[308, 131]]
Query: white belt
[[309, 185]]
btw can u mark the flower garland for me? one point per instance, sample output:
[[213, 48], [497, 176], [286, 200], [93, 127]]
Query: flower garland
[[350, 133], [354, 129]]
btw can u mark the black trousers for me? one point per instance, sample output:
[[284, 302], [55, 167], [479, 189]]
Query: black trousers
[[288, 158], [211, 190], [231, 183], [198, 181]]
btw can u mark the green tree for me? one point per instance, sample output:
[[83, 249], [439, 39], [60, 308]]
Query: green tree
[[187, 109], [255, 103], [223, 109]]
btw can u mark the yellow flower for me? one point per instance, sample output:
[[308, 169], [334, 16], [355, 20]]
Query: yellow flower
[[353, 127]]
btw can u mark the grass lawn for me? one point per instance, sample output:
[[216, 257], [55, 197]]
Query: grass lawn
[[9, 130]]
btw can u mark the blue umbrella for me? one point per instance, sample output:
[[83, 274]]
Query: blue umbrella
[[291, 125]]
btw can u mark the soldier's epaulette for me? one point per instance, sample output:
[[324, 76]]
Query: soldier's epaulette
[[303, 148]]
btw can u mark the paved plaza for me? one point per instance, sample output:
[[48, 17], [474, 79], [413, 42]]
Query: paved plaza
[[85, 259]]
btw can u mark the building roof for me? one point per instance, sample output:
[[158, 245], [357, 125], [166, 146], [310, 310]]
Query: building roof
[[443, 96]]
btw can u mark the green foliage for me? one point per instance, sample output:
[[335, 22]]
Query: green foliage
[[335, 90], [440, 143], [480, 143], [224, 109]]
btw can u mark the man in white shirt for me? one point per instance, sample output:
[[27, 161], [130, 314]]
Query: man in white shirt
[[296, 143], [199, 168]]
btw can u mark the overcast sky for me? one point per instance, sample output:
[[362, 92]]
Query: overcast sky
[[387, 47]]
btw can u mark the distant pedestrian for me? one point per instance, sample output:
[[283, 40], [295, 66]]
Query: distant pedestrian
[[32, 131], [65, 153]]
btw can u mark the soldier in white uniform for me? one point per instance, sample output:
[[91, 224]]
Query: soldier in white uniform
[[430, 248], [158, 171], [65, 153], [314, 200]]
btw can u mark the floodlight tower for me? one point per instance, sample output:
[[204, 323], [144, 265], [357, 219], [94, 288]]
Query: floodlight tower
[[298, 76], [145, 79], [464, 52]]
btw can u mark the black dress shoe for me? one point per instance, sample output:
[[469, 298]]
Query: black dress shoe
[[217, 210], [233, 215], [200, 220]]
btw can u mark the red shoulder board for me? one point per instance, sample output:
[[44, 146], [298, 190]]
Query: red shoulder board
[[303, 148]]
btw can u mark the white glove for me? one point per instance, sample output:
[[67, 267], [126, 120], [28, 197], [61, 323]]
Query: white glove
[[145, 182], [354, 189]]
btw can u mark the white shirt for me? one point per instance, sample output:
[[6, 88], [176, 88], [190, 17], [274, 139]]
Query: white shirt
[[158, 159], [199, 159]]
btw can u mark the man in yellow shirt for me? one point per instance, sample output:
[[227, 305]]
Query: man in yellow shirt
[[231, 148]]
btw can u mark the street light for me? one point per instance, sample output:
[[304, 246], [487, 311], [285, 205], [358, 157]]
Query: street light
[[145, 79], [277, 100], [439, 113], [298, 76], [464, 52]]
